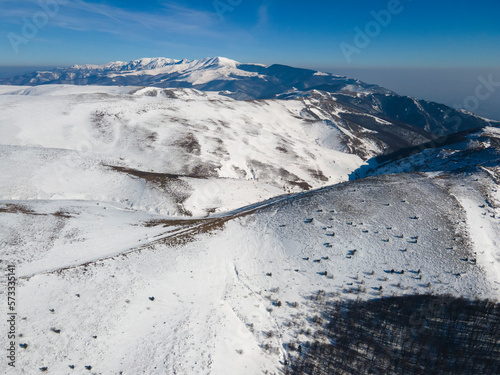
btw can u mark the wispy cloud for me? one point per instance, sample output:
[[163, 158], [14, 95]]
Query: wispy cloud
[[93, 30], [171, 19]]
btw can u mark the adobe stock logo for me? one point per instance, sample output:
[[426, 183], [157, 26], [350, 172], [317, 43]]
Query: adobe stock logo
[[224, 6], [31, 26], [372, 29], [483, 91]]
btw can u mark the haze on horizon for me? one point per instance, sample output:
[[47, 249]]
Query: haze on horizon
[[437, 51]]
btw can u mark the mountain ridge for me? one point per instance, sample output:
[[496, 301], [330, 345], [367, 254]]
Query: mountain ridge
[[246, 81]]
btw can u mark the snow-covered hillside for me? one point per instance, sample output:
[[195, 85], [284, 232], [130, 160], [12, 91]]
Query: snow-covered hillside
[[469, 151], [230, 293], [177, 231], [177, 151]]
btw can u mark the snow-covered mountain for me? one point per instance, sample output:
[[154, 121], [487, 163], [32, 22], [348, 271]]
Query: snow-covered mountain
[[256, 81], [172, 230], [162, 148], [247, 81], [466, 152]]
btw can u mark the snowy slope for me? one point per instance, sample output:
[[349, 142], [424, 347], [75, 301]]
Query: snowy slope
[[188, 133], [130, 144], [34, 173], [468, 151], [230, 292]]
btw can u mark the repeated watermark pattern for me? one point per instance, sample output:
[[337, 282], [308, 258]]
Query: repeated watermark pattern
[[32, 26], [483, 91], [225, 6], [372, 29]]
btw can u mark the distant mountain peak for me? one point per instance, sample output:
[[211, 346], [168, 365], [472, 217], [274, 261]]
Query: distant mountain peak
[[243, 81], [154, 63], [145, 63]]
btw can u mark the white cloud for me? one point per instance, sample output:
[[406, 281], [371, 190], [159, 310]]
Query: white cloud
[[86, 16]]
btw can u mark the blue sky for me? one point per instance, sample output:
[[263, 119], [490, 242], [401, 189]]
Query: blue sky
[[425, 33], [429, 49]]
